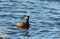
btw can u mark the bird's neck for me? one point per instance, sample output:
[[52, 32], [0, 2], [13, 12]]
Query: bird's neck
[[27, 21]]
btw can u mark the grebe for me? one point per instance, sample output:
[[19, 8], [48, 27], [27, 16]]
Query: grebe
[[24, 25]]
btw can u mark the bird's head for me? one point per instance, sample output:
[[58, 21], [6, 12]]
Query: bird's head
[[27, 18]]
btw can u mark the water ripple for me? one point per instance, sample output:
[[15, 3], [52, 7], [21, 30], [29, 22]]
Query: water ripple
[[44, 18]]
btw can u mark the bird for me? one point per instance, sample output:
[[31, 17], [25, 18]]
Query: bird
[[24, 25]]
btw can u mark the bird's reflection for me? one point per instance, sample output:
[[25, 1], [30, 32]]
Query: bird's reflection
[[26, 35]]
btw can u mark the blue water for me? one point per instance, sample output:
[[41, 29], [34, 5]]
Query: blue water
[[44, 18]]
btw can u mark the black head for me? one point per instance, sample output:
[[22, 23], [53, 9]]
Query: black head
[[27, 17]]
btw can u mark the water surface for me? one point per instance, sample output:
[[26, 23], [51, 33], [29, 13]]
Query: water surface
[[44, 18]]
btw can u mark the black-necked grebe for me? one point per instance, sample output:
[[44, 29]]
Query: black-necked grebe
[[24, 25]]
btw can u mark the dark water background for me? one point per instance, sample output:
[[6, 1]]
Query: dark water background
[[44, 18]]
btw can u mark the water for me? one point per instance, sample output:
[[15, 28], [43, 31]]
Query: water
[[44, 18]]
